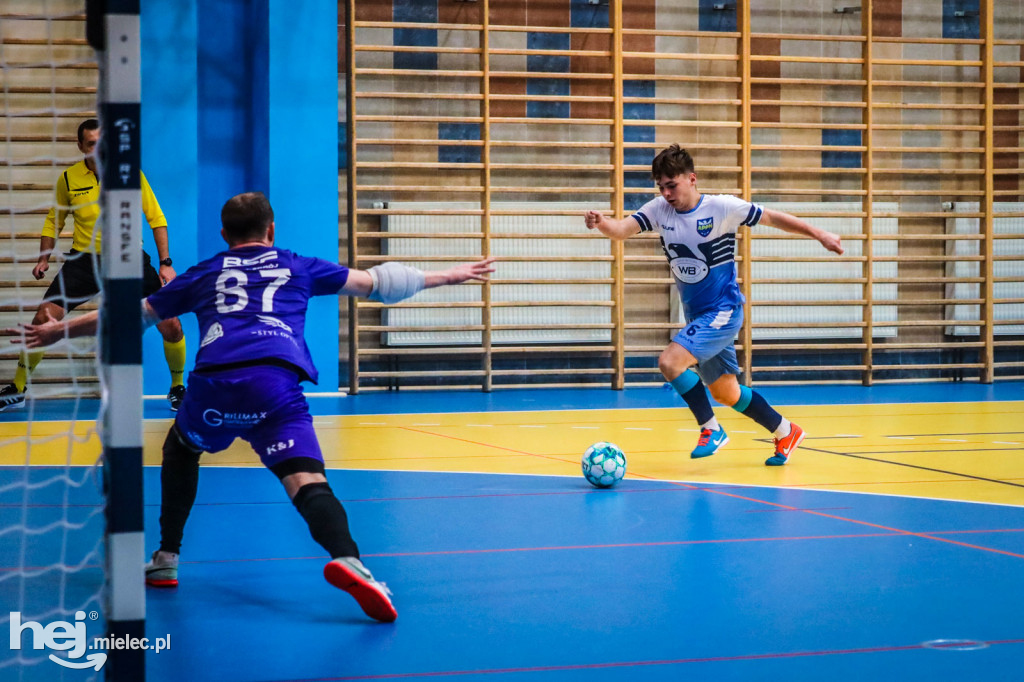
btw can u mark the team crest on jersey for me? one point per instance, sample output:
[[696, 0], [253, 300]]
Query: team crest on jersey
[[704, 226]]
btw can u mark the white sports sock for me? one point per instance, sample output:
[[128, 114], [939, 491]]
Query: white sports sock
[[784, 428], [711, 424]]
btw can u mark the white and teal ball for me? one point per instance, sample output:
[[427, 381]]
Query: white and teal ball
[[604, 464]]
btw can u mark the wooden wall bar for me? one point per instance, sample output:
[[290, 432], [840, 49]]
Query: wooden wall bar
[[896, 127]]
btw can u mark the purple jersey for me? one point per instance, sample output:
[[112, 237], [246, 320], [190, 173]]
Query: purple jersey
[[251, 304]]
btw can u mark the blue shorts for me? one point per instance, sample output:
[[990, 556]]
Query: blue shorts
[[262, 405], [709, 338]]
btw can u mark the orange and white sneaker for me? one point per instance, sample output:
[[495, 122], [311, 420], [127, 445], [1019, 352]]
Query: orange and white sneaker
[[784, 447], [349, 574]]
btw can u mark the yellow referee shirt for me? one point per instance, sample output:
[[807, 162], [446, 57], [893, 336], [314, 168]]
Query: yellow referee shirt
[[78, 192]]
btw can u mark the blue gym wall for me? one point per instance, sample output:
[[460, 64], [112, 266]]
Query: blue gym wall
[[242, 95]]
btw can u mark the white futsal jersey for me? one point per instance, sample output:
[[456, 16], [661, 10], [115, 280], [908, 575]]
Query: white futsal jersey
[[700, 245]]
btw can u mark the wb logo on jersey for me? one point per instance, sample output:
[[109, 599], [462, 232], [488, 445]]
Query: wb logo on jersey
[[704, 226], [687, 267]]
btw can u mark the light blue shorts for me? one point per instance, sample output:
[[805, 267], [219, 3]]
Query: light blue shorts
[[709, 338]]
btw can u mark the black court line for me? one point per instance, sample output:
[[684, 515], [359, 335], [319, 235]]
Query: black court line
[[917, 466], [910, 452]]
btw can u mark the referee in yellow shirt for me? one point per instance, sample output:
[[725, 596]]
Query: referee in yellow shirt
[[78, 193]]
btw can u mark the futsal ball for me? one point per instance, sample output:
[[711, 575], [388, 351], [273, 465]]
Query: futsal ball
[[604, 464]]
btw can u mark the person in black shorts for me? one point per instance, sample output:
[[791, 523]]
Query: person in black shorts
[[77, 192]]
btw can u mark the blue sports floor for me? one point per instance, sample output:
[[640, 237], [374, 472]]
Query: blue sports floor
[[511, 577]]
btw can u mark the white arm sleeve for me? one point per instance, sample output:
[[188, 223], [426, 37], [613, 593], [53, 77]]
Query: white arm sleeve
[[394, 282], [148, 317]]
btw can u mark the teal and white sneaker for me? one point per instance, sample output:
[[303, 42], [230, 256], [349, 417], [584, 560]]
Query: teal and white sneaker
[[709, 443], [349, 574]]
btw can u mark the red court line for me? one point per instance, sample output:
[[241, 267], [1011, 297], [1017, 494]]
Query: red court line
[[486, 445], [775, 511], [564, 547], [754, 499], [875, 525], [663, 543], [486, 495], [631, 664], [819, 487]]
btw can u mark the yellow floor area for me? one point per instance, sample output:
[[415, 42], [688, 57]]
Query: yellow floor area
[[959, 451]]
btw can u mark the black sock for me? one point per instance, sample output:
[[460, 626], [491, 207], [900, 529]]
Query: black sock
[[326, 518], [689, 386], [697, 399], [179, 480], [760, 411]]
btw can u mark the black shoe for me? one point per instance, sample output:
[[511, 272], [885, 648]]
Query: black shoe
[[11, 398], [175, 396]]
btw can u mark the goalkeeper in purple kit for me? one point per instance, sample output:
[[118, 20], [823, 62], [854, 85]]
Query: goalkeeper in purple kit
[[251, 302]]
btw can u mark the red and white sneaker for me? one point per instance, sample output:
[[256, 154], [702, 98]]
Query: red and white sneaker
[[784, 447], [349, 574], [162, 570]]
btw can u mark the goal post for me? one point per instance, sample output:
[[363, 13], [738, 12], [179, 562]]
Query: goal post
[[113, 31]]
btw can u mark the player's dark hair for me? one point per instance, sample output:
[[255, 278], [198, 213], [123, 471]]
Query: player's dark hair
[[246, 217], [87, 124], [672, 162]]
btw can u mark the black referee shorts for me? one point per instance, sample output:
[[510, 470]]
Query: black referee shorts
[[79, 280]]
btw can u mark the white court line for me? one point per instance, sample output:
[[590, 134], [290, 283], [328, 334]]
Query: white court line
[[1004, 442], [901, 437]]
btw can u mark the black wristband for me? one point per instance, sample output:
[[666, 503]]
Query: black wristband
[[167, 261]]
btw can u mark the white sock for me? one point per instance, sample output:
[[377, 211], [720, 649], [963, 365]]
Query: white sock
[[784, 428], [711, 424]]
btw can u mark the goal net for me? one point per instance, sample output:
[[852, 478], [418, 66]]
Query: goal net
[[57, 561]]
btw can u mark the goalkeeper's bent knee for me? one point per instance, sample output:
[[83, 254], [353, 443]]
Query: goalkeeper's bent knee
[[394, 282]]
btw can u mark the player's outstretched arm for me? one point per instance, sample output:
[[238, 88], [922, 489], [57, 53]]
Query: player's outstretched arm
[[790, 223], [393, 282], [609, 227], [51, 331], [460, 273]]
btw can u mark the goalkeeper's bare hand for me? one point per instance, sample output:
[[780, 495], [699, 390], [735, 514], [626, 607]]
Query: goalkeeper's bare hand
[[461, 273], [46, 333]]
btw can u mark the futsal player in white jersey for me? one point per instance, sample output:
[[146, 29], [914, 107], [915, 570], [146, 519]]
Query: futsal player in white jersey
[[698, 235]]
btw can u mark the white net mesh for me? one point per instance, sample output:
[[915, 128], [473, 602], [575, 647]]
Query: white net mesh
[[51, 502]]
